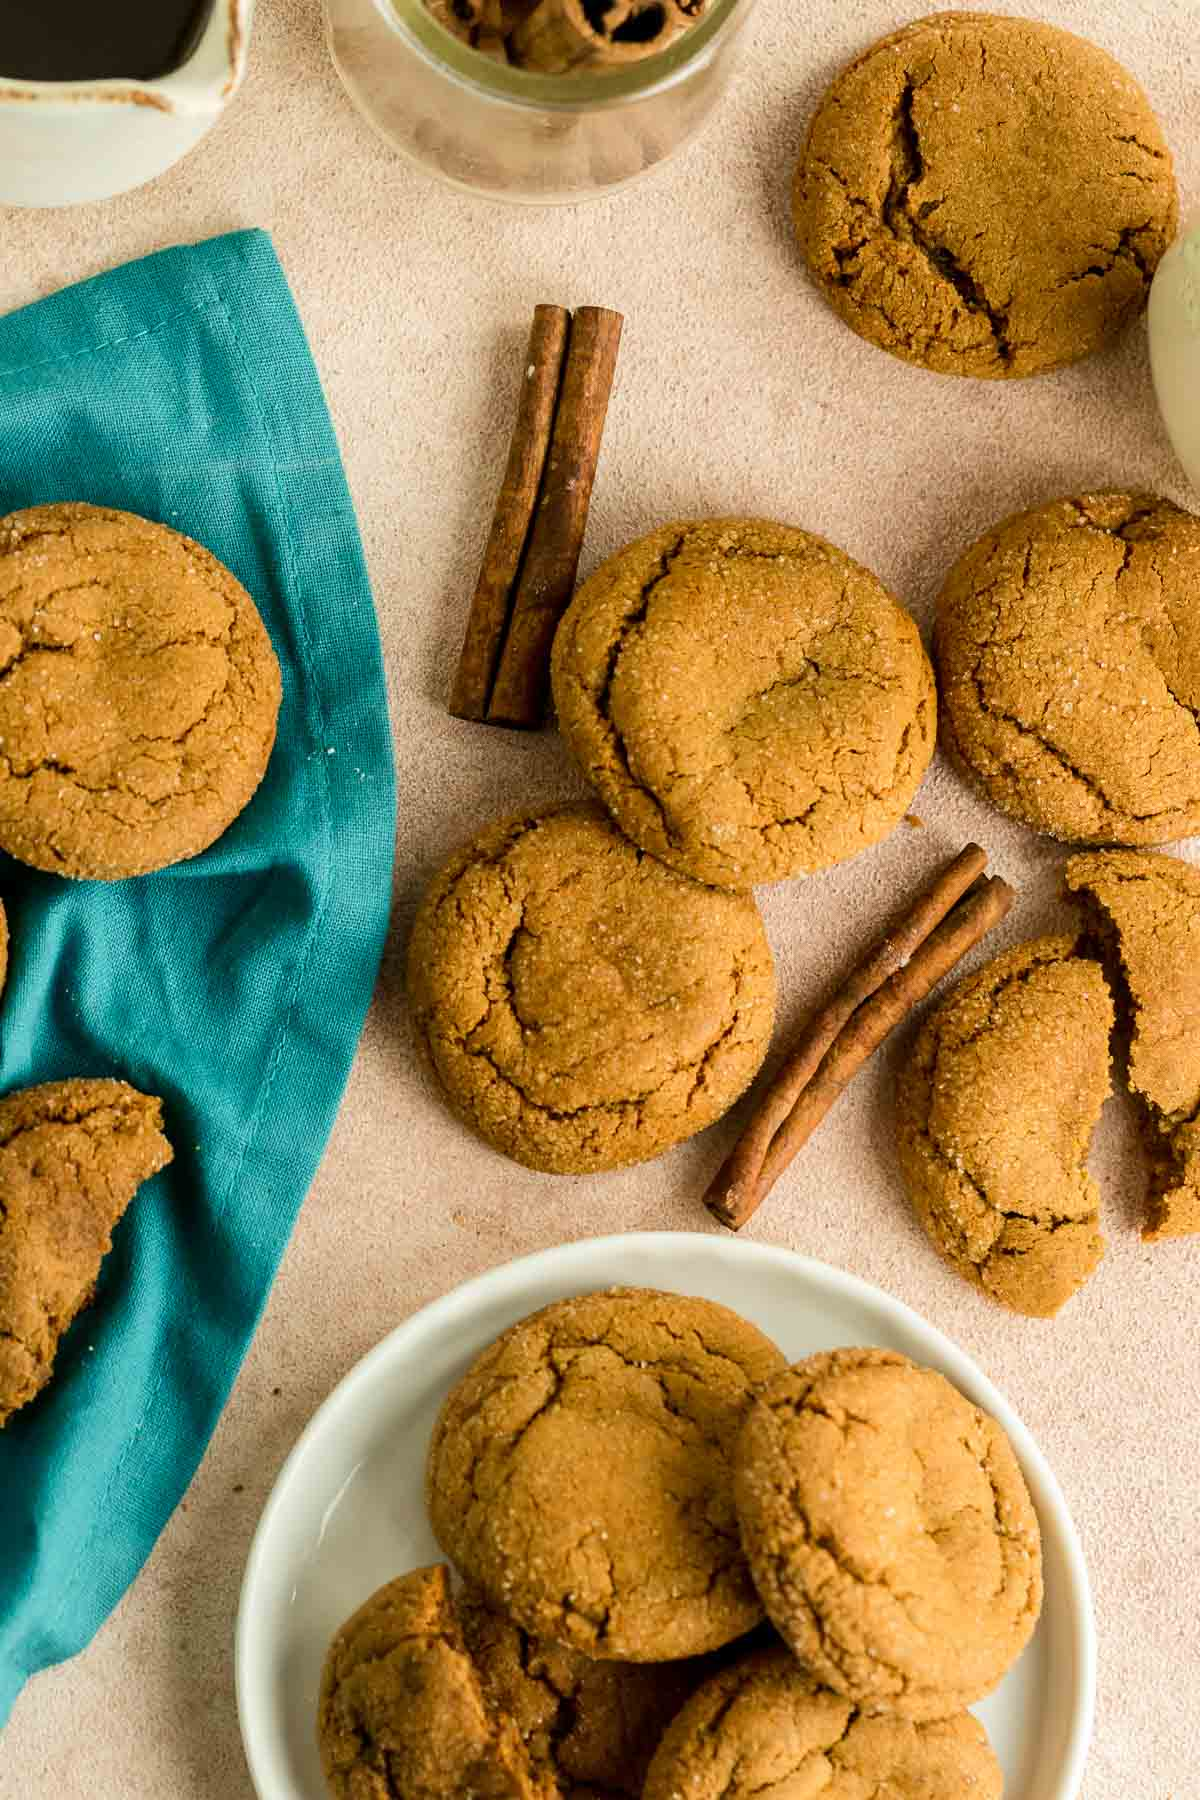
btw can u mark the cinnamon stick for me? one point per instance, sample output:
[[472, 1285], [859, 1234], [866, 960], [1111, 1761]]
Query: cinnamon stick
[[959, 909], [459, 17], [547, 577], [746, 1160], [515, 506], [561, 35], [491, 44], [985, 904]]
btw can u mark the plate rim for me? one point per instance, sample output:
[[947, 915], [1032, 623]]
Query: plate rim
[[1048, 1493]]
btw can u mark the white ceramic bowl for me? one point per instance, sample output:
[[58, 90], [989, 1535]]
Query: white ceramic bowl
[[1174, 328], [63, 142], [346, 1513]]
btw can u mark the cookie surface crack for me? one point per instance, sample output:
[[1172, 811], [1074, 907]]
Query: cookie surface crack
[[603, 701], [908, 168], [1047, 744]]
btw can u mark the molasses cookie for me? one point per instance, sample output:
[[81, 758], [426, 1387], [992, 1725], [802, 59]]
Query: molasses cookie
[[889, 1531], [582, 1005], [1068, 653], [995, 1111], [1148, 907], [579, 1474], [594, 1725], [748, 702], [765, 1727], [985, 196], [1175, 1184], [402, 1711], [72, 1156], [138, 693]]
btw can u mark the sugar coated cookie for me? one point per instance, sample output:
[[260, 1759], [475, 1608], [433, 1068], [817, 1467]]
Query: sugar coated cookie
[[579, 1473], [995, 1109], [1068, 654], [765, 1728], [985, 196], [1148, 908], [748, 702], [889, 1530], [72, 1156], [402, 1715], [582, 1005], [138, 693]]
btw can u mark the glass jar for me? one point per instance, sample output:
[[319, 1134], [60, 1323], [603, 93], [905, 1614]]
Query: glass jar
[[514, 134]]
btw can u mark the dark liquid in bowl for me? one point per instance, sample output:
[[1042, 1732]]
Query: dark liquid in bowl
[[98, 40]]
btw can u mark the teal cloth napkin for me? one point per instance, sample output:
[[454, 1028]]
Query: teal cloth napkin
[[234, 985]]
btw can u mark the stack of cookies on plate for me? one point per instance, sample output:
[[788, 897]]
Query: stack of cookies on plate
[[690, 1570]]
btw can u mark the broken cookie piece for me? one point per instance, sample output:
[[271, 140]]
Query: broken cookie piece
[[1174, 1209], [595, 1725], [402, 1715], [72, 1156], [891, 1534], [995, 1112], [1146, 908], [765, 1727]]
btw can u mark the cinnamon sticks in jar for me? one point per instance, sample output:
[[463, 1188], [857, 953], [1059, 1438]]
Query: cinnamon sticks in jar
[[532, 554], [960, 907], [562, 37]]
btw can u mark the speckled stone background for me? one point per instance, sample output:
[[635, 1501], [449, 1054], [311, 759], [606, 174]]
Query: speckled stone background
[[737, 391]]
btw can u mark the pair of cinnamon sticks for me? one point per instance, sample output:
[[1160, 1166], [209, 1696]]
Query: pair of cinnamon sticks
[[532, 554], [960, 907]]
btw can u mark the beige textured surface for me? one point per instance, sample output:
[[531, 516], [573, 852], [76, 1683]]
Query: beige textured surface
[[738, 391]]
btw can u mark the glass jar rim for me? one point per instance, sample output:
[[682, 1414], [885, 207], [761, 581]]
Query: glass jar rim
[[569, 92]]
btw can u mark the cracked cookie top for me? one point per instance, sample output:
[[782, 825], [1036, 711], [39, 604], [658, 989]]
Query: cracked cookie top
[[72, 1156], [765, 1728], [1148, 908], [749, 703], [1068, 651], [584, 1006], [402, 1714], [985, 196], [1151, 906], [889, 1530], [579, 1473], [595, 1725], [138, 693], [995, 1112]]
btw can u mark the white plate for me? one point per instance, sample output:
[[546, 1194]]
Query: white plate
[[346, 1513]]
